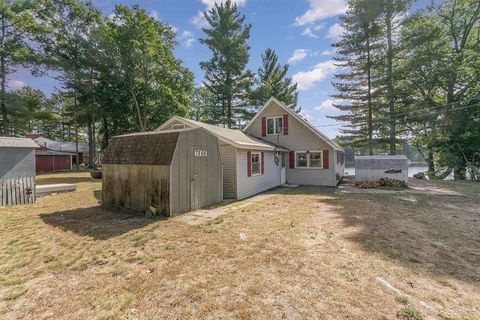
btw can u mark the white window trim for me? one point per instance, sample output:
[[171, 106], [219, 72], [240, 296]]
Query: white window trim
[[274, 126], [259, 163], [178, 125], [308, 160]]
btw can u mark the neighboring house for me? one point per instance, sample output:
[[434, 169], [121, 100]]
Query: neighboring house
[[277, 147], [57, 155]]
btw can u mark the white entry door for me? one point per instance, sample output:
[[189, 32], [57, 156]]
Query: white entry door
[[283, 172]]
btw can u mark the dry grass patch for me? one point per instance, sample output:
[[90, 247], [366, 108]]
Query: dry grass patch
[[306, 254]]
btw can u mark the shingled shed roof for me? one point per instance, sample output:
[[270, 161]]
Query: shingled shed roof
[[7, 142], [147, 148]]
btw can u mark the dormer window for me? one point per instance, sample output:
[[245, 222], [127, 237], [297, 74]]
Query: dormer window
[[275, 125]]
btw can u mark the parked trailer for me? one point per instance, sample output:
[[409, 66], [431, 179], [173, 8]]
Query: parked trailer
[[171, 172]]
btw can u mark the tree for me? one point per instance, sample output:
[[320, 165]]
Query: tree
[[18, 28], [142, 48], [225, 75], [272, 81], [202, 109], [357, 53]]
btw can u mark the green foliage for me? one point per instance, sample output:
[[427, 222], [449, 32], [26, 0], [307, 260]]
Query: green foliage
[[19, 28], [409, 313], [225, 75], [383, 183], [272, 81]]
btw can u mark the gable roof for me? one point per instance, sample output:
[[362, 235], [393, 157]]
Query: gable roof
[[7, 142], [145, 148], [319, 134], [233, 137], [68, 146]]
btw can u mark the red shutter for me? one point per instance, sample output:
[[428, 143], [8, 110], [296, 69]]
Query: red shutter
[[249, 163], [292, 160], [325, 159], [263, 167], [264, 126], [285, 124]]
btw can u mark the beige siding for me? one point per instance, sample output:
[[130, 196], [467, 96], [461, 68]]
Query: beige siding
[[299, 138], [174, 122], [195, 181], [228, 154], [136, 187], [248, 186]]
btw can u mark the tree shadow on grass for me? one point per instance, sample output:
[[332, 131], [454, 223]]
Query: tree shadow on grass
[[53, 180], [96, 222], [438, 235]]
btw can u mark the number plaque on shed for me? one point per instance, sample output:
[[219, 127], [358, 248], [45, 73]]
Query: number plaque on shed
[[201, 153]]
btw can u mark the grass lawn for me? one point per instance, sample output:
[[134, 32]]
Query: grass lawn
[[305, 254]]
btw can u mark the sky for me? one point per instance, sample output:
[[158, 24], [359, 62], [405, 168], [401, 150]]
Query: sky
[[300, 31]]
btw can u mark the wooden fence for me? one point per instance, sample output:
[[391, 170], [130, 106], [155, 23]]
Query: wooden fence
[[17, 191]]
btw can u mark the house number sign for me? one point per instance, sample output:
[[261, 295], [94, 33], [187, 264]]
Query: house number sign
[[201, 153]]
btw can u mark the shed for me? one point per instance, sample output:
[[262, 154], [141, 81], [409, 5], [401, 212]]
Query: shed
[[17, 170], [53, 161], [369, 168], [173, 171]]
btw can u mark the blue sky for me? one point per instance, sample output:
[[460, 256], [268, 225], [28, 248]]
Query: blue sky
[[300, 31]]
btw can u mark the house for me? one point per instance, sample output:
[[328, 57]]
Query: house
[[17, 171], [57, 155], [276, 147], [166, 172]]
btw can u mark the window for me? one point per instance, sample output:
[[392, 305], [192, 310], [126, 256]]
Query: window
[[178, 126], [302, 160], [309, 159], [315, 159], [255, 163], [275, 125]]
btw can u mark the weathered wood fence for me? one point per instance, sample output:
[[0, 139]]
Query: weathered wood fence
[[17, 191]]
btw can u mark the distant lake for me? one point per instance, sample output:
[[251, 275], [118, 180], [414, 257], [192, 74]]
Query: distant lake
[[413, 168]]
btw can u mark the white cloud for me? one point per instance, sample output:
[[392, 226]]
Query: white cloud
[[154, 15], [307, 79], [335, 31], [199, 20], [298, 55], [309, 33], [327, 104], [321, 9], [187, 38], [16, 84], [328, 52]]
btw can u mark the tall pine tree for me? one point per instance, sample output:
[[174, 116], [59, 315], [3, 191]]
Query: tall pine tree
[[225, 75], [357, 55], [272, 81]]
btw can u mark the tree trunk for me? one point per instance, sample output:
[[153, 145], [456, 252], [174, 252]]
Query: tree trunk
[[390, 89], [106, 137], [77, 159], [430, 162], [90, 141], [369, 95], [94, 136], [3, 105]]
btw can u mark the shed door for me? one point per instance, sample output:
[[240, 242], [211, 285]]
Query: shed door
[[199, 176]]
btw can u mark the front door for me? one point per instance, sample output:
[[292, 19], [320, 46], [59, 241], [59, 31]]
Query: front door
[[283, 172]]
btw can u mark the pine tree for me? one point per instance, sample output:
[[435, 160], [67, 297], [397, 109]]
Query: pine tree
[[225, 75], [272, 81], [357, 52]]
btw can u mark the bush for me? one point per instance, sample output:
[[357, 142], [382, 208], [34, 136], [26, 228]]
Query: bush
[[409, 313], [382, 182]]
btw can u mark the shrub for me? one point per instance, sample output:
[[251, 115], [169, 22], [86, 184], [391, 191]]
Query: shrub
[[409, 313], [382, 182]]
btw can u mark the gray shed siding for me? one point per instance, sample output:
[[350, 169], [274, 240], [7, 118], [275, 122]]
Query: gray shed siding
[[17, 163], [195, 181], [248, 186], [369, 168], [299, 138], [229, 160]]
